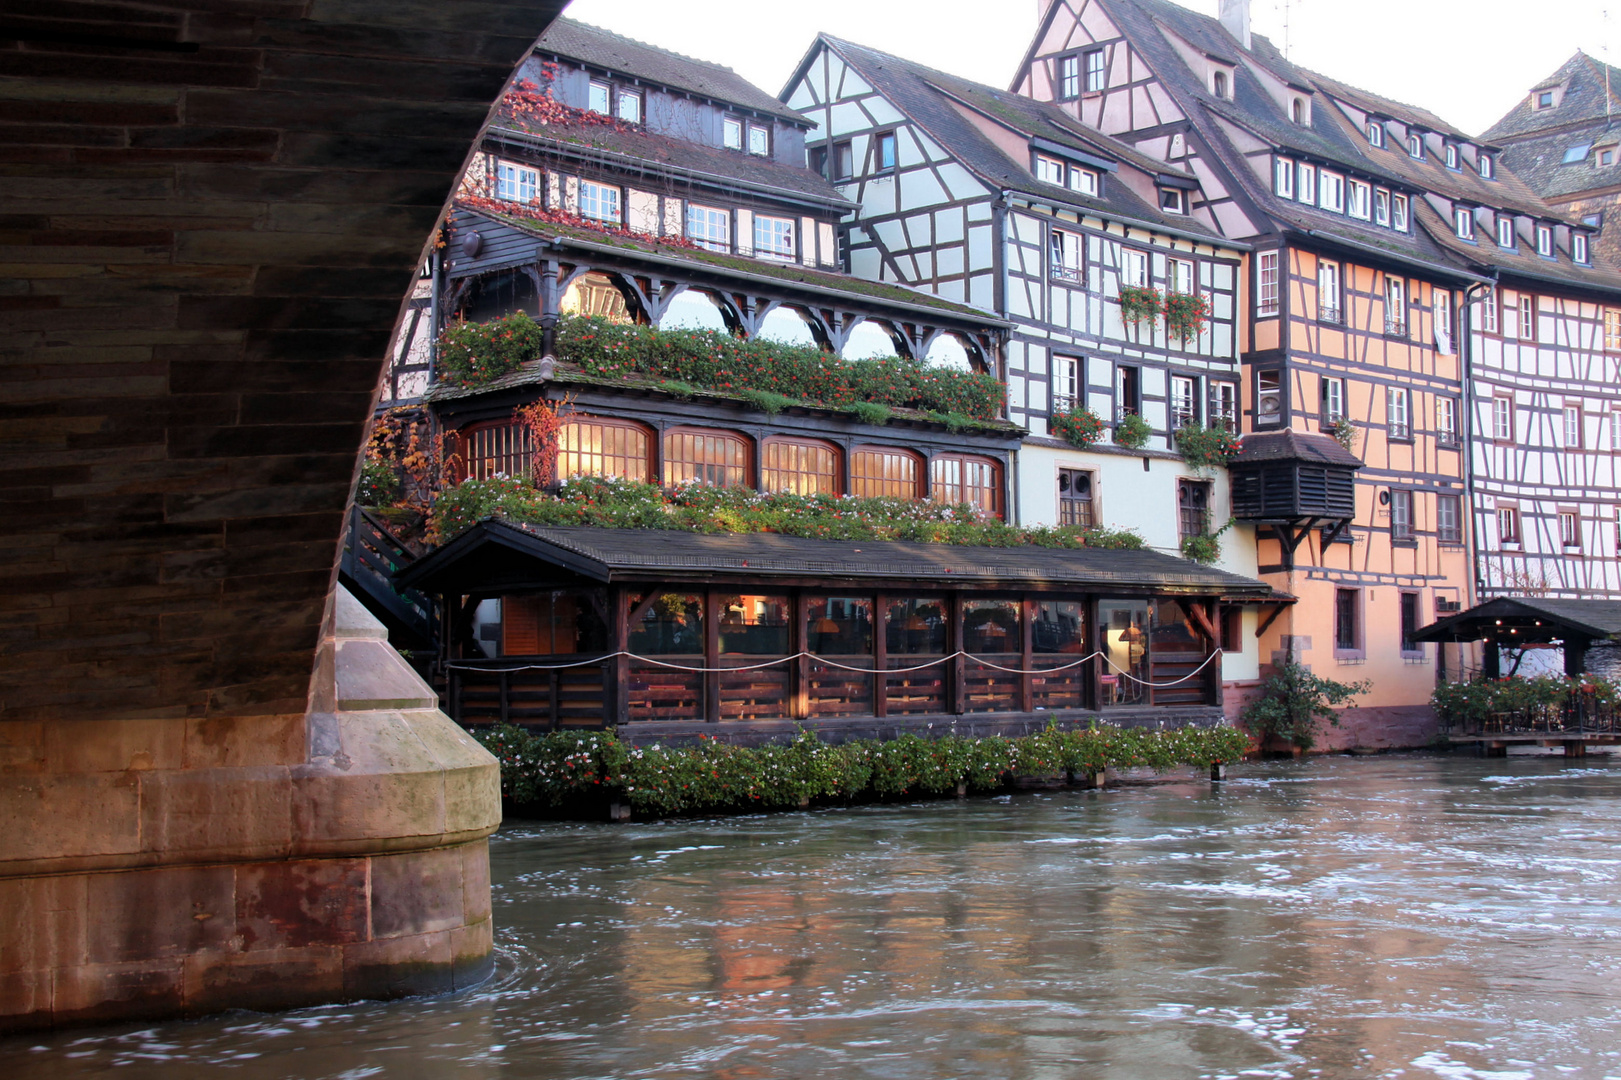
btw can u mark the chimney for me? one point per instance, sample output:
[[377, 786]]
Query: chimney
[[1235, 16]]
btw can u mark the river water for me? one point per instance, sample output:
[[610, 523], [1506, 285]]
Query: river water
[[1346, 917]]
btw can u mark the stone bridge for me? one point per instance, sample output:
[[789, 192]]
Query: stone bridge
[[218, 786]]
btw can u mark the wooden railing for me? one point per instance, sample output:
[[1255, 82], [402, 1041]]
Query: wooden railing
[[1578, 714], [511, 692], [372, 556]]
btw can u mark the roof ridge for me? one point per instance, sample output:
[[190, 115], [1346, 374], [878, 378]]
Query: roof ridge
[[644, 45]]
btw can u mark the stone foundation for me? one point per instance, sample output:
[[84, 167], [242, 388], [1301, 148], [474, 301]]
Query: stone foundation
[[166, 867]]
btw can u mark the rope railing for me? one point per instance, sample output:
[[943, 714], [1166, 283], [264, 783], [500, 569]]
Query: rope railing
[[826, 662]]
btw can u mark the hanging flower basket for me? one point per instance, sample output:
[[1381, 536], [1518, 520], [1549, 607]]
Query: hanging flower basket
[[1132, 432], [1078, 427], [1186, 314], [1139, 304], [1204, 447]]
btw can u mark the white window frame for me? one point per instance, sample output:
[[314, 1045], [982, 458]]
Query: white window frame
[[1502, 418], [605, 202], [759, 139], [1463, 219], [1528, 317], [1441, 315], [1488, 310], [1376, 133], [1184, 401], [1064, 262], [1306, 183], [1446, 420], [709, 227], [1330, 292], [1173, 200], [1505, 232], [1381, 207], [1283, 177], [1578, 248], [1333, 398], [1224, 405], [1395, 305], [731, 133], [1398, 412], [774, 238], [603, 90], [1331, 191], [1082, 180], [1453, 159], [1615, 429], [1181, 278], [1398, 213], [1570, 530], [1545, 241], [1049, 170], [1572, 416], [1096, 75], [1134, 267], [516, 183], [1487, 170], [1068, 391], [1415, 147], [1267, 264], [1359, 200], [635, 99], [1508, 525]]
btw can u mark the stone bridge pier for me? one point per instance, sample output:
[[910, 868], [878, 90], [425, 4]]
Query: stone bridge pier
[[219, 785]]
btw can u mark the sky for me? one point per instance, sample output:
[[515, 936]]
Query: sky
[[1468, 61]]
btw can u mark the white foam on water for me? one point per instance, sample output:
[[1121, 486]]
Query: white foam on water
[[1443, 1066]]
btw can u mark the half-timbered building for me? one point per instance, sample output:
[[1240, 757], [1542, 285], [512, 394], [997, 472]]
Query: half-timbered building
[[984, 196]]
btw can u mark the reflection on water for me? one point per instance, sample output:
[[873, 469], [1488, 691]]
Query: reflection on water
[[1421, 917]]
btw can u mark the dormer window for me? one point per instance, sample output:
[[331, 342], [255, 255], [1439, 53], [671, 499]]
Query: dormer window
[[1173, 200], [1463, 219], [1358, 200], [1283, 177], [1297, 111], [1487, 168], [1306, 183], [1415, 146], [1220, 85], [516, 183], [1398, 213], [1331, 191], [1545, 241], [1505, 231], [1578, 248], [1049, 170], [731, 133], [1544, 99], [1381, 207], [1083, 180], [759, 140], [629, 107], [1604, 158], [1376, 133], [600, 98], [1452, 155]]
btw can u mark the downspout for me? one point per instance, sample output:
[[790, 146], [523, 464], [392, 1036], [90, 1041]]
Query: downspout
[[999, 210], [1466, 354]]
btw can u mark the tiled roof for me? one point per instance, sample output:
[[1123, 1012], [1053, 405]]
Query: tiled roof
[[926, 95], [1261, 446], [1582, 102], [1486, 256], [1540, 159], [626, 56]]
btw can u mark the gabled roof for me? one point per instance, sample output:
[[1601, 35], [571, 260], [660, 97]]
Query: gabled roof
[[1532, 618], [1583, 101], [652, 555], [935, 100], [627, 57], [1540, 159]]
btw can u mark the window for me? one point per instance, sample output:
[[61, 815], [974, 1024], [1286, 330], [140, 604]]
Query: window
[[1232, 629], [1173, 200], [599, 97], [1094, 71], [1612, 329], [1578, 247], [599, 202], [588, 446], [1573, 427], [1266, 284], [1401, 515], [705, 457], [1181, 277], [1441, 314], [1297, 111], [1503, 419], [1452, 156], [957, 478], [709, 228], [773, 237], [803, 467], [1346, 635], [1463, 219], [1376, 133], [844, 161], [1328, 292], [1545, 99], [1306, 183], [1331, 191], [1415, 146], [1446, 420], [731, 133], [630, 107], [816, 160], [501, 448], [1398, 213], [1488, 310], [1083, 180], [515, 183], [1268, 397], [1575, 155], [1192, 508], [1395, 306], [1128, 392], [1505, 231], [551, 624], [1134, 267], [1449, 519], [883, 472], [883, 152], [1487, 168], [1049, 170], [1069, 78], [1545, 241], [1508, 525], [1606, 158], [1075, 498], [1220, 84], [1333, 399], [1570, 529], [1184, 402], [1283, 177], [1360, 204], [1067, 389], [1381, 207], [1528, 317], [759, 140], [1224, 406], [1397, 412], [1410, 646], [1066, 255]]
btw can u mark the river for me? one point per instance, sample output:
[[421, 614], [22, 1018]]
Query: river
[[1417, 916]]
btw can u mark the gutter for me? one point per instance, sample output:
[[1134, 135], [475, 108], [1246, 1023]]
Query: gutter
[[1152, 226], [1450, 272], [609, 157]]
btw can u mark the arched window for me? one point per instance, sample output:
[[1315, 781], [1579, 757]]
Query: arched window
[[595, 294], [1297, 111], [593, 446], [1221, 84], [498, 448], [883, 470], [869, 339], [787, 326], [708, 457], [948, 351], [693, 310], [958, 478], [802, 466]]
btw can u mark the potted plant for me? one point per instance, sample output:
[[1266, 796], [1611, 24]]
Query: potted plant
[[1185, 314], [1204, 447], [1076, 426], [1139, 303], [1345, 432], [1132, 432]]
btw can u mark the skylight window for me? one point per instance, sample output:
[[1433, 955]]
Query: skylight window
[[1577, 154]]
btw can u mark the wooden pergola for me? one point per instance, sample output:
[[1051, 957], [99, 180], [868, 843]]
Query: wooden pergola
[[1517, 621]]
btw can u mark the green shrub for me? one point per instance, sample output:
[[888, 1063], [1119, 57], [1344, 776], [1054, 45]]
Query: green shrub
[[1132, 431], [1203, 447], [870, 412], [379, 483], [472, 354], [1294, 703]]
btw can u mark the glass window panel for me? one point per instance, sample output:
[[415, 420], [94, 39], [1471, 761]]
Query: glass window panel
[[992, 627], [598, 100], [759, 140], [709, 228], [732, 133], [955, 479], [673, 625], [754, 625], [773, 237], [588, 447], [839, 628], [1123, 639], [916, 626], [630, 107], [496, 450], [804, 468], [1060, 627], [891, 473], [705, 458], [599, 202], [596, 294]]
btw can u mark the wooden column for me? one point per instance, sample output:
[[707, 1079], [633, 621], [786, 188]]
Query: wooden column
[[1213, 672], [955, 673], [800, 677], [712, 656], [1091, 691], [1027, 649], [619, 667], [880, 653]]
